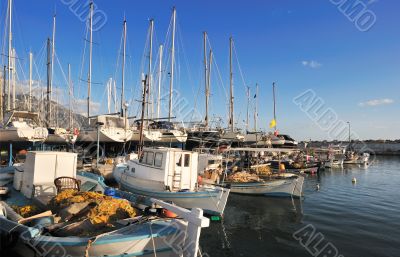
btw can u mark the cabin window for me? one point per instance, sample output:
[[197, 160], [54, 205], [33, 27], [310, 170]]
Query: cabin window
[[143, 158], [187, 160], [178, 157], [150, 158], [158, 159], [211, 162], [133, 170]]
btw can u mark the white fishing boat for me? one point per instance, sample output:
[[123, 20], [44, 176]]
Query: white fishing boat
[[145, 234], [23, 126], [256, 178], [111, 128], [170, 174]]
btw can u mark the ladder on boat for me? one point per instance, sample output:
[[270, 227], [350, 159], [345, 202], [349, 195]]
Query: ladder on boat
[[176, 180]]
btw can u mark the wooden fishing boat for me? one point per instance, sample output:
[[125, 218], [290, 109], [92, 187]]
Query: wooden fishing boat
[[148, 234]]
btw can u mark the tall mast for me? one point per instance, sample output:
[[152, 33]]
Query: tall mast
[[256, 110], [53, 43], [205, 76], [9, 53], [30, 80], [140, 145], [109, 85], [14, 85], [123, 72], [48, 103], [2, 92], [231, 121], [90, 56], [210, 58], [273, 92], [149, 79], [171, 84], [70, 95], [159, 80], [248, 105]]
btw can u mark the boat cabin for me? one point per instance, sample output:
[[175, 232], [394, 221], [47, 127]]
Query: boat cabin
[[174, 169], [108, 121]]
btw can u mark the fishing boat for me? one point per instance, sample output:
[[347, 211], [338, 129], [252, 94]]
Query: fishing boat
[[354, 158], [170, 174], [151, 232], [23, 126], [111, 128], [249, 173]]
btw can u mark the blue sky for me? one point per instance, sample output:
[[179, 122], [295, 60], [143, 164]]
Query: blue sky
[[299, 44]]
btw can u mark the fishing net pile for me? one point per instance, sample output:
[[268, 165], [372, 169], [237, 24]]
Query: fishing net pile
[[243, 177], [263, 170], [97, 208]]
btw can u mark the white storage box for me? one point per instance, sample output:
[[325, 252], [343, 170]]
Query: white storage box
[[41, 168]]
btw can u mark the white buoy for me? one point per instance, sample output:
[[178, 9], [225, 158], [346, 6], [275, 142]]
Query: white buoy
[[317, 187], [354, 180]]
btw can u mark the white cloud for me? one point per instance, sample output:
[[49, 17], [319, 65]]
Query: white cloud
[[376, 102], [312, 64]]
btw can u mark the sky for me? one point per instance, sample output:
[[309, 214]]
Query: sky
[[347, 58]]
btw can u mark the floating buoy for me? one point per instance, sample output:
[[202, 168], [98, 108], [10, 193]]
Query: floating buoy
[[354, 180], [317, 187]]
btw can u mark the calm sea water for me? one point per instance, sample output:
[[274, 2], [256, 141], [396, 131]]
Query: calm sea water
[[361, 219]]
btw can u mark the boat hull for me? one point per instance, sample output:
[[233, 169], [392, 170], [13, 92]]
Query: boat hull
[[108, 135], [277, 188], [25, 134]]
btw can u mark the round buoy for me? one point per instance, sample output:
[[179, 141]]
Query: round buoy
[[282, 167], [317, 187], [354, 180]]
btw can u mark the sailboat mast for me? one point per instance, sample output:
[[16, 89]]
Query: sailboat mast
[[159, 80], [256, 110], [2, 92], [210, 58], [30, 80], [140, 145], [53, 43], [123, 71], [149, 79], [90, 57], [48, 104], [205, 76], [273, 92], [171, 84], [231, 121], [70, 96], [9, 53], [248, 105], [14, 84]]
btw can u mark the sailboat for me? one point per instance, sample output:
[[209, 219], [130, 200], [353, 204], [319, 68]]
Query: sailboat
[[169, 132], [18, 126], [231, 133], [108, 127]]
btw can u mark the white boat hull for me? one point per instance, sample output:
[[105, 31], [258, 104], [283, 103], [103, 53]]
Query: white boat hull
[[148, 135], [173, 136], [279, 187], [212, 199], [109, 135], [23, 134]]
